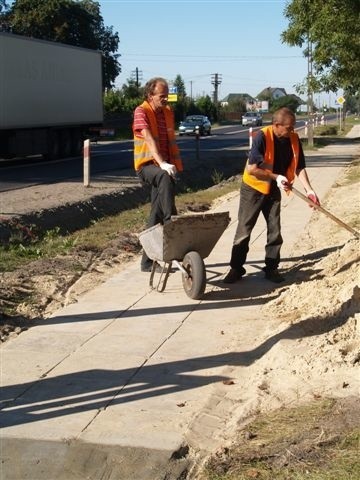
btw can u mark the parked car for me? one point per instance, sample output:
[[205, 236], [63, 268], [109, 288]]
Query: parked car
[[191, 123], [250, 119]]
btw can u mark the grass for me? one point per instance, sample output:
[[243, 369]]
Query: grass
[[22, 248], [312, 442], [353, 175], [26, 244], [328, 134]]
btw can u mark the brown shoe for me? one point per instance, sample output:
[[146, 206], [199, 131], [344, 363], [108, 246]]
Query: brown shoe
[[233, 276]]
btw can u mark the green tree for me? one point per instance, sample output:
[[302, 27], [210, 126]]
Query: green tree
[[289, 101], [180, 85], [71, 22], [132, 95], [3, 22], [265, 96], [233, 110], [182, 104], [132, 90], [332, 28], [238, 105], [206, 107], [352, 103], [125, 99], [112, 101], [3, 5]]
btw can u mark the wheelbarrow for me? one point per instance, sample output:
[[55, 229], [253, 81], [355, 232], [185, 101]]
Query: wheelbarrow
[[184, 242]]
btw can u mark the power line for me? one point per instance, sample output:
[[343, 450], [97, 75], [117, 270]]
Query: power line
[[211, 57]]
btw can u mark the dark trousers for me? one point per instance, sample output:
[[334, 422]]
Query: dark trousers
[[162, 198], [251, 204]]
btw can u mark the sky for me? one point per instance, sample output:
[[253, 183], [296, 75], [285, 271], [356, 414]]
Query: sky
[[237, 39]]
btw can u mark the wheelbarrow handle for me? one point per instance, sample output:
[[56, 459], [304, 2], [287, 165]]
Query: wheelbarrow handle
[[327, 213]]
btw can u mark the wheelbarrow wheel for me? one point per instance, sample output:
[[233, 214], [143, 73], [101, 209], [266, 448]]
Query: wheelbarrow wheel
[[194, 281]]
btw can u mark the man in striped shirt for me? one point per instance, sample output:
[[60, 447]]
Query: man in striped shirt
[[156, 155]]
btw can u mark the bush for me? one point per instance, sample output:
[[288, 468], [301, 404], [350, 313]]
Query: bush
[[327, 130]]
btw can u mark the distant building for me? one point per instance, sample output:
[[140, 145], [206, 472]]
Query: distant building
[[234, 97], [276, 93], [272, 93], [255, 104]]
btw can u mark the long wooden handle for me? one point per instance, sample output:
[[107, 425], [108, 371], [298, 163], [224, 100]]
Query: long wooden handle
[[328, 214]]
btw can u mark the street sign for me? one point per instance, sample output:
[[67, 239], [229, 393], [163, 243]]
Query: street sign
[[172, 97], [340, 100]]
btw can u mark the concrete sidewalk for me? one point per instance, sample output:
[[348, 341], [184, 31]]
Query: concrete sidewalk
[[133, 384]]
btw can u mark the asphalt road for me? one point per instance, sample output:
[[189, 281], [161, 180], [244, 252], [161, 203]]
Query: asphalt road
[[108, 156]]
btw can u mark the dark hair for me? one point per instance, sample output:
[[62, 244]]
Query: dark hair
[[280, 115], [151, 84]]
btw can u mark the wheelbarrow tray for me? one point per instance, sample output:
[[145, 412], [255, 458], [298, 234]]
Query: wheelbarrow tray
[[183, 234]]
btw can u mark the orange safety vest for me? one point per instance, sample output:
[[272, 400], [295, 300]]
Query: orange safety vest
[[263, 186], [141, 151]]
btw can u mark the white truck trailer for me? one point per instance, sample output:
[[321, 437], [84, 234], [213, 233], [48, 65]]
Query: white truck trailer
[[50, 96]]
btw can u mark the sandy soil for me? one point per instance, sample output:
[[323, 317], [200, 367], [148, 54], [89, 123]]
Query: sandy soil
[[320, 310]]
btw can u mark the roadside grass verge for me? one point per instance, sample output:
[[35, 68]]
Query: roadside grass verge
[[331, 133], [353, 174], [25, 244], [353, 177], [323, 136], [316, 441]]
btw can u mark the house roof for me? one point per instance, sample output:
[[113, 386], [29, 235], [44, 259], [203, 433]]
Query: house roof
[[231, 97], [269, 91]]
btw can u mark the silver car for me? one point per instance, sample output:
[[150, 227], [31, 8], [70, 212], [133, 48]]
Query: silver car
[[251, 119]]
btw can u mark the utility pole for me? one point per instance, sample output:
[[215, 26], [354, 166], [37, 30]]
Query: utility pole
[[310, 95], [138, 76], [216, 80]]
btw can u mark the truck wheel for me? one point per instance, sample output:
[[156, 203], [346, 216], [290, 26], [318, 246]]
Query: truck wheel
[[194, 281]]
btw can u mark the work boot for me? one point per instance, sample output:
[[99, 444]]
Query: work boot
[[274, 276], [233, 276]]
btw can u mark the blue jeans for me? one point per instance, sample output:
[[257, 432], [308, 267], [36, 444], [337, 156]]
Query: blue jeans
[[251, 204], [162, 198]]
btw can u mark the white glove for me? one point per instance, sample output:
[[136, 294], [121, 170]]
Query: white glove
[[282, 182], [169, 168], [313, 197]]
